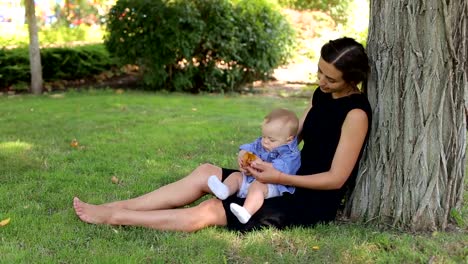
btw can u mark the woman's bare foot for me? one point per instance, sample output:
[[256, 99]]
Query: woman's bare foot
[[93, 214]]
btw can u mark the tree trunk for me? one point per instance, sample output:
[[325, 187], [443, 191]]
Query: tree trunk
[[34, 50], [412, 172]]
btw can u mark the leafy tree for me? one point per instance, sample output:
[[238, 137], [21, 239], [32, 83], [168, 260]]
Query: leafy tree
[[76, 12], [413, 170], [34, 50]]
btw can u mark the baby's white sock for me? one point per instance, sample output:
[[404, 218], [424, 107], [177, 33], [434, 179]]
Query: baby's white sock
[[217, 187], [240, 212]]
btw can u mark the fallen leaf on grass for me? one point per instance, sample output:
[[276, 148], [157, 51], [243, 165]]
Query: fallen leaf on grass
[[5, 222], [119, 91], [115, 180], [315, 247], [74, 143]]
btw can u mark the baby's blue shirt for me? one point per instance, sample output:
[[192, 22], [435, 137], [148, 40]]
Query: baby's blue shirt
[[285, 158]]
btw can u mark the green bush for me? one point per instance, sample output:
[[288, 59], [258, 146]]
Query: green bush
[[14, 66], [74, 63], [199, 45], [267, 36], [155, 36], [67, 63]]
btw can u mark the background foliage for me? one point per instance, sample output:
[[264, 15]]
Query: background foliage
[[200, 45], [313, 27], [17, 35], [60, 63], [338, 9]]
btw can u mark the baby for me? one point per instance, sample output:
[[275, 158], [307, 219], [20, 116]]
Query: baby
[[277, 145]]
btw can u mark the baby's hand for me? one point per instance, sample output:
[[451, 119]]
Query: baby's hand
[[246, 159], [239, 158]]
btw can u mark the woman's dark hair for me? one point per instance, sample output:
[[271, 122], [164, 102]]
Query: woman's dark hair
[[349, 57]]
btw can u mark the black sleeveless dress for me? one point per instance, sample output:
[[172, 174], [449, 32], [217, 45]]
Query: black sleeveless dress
[[321, 133]]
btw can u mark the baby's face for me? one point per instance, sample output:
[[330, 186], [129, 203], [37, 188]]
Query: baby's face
[[274, 135]]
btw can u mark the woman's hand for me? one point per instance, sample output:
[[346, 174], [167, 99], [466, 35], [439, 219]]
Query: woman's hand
[[264, 172]]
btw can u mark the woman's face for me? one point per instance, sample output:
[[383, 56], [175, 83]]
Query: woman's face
[[330, 80]]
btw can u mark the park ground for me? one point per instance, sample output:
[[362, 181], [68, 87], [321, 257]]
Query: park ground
[[125, 134], [76, 143]]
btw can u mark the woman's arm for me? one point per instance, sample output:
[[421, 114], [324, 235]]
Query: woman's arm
[[353, 134]]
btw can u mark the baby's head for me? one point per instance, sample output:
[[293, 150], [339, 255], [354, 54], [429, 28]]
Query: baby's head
[[279, 127]]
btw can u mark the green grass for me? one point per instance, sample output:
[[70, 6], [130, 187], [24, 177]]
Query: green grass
[[147, 140], [17, 35]]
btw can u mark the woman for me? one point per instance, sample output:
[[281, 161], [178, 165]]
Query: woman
[[334, 129]]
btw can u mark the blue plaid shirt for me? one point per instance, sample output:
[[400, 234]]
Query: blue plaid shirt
[[285, 158]]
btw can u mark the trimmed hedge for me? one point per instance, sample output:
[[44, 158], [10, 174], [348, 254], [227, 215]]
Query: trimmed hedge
[[200, 45], [64, 63]]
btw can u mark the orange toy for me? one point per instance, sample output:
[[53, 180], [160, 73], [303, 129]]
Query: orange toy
[[248, 158]]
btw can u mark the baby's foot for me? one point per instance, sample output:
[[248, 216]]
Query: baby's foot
[[218, 188], [89, 213], [240, 212]]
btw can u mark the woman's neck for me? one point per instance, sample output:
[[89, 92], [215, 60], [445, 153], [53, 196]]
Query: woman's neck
[[346, 92]]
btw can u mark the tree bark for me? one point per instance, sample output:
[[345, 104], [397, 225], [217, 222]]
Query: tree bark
[[412, 172], [34, 50]]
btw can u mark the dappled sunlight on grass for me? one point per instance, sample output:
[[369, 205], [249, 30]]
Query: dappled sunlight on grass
[[14, 35], [10, 147], [40, 173], [16, 162]]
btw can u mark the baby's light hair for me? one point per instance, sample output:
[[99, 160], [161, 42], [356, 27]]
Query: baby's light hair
[[285, 116]]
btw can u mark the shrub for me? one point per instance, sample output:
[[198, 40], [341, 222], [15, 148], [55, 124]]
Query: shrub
[[199, 45], [266, 35], [14, 66], [154, 35], [66, 63]]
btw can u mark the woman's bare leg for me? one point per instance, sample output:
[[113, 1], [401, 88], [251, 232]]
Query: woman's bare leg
[[207, 213], [173, 195]]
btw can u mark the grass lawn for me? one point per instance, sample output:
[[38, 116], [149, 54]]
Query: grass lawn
[[147, 140]]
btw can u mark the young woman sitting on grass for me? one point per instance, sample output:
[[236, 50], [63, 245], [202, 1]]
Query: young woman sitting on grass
[[334, 129]]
